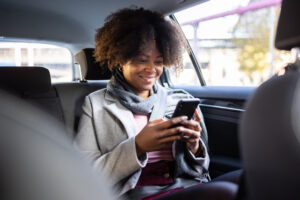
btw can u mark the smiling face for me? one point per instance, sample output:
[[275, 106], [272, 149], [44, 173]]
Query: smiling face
[[144, 70]]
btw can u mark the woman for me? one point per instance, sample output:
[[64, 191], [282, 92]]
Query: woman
[[125, 128]]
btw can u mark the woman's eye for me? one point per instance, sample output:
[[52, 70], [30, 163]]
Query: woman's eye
[[142, 60], [159, 63]]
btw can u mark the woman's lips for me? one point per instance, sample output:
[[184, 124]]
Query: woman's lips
[[148, 79]]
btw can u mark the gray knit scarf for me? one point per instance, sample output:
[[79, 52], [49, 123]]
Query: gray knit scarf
[[154, 104]]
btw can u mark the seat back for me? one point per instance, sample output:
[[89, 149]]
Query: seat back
[[72, 96], [33, 84], [270, 139], [38, 160]]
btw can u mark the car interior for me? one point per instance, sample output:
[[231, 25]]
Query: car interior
[[254, 129]]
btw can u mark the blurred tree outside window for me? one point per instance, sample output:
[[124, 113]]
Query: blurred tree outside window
[[233, 40]]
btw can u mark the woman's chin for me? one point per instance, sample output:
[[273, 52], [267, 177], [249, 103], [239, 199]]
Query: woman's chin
[[148, 88], [147, 84]]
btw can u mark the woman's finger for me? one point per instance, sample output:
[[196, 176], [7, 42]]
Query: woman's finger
[[192, 124], [171, 122], [197, 116], [171, 131], [170, 139], [190, 133]]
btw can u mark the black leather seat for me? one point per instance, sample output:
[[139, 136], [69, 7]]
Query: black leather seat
[[270, 139], [32, 84], [270, 127]]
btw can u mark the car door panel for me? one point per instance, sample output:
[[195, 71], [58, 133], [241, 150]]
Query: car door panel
[[222, 108]]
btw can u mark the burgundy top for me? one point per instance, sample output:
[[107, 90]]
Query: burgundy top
[[160, 165]]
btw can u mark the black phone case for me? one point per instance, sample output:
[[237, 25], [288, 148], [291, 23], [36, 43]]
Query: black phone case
[[186, 107]]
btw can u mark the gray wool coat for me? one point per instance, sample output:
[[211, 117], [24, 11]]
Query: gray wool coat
[[106, 135]]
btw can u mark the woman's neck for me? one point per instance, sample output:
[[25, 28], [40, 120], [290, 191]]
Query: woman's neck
[[144, 94]]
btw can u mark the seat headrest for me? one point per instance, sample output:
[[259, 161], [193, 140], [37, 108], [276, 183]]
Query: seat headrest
[[90, 69], [288, 29], [25, 79], [270, 139]]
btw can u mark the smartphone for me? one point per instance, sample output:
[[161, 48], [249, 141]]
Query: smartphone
[[185, 107]]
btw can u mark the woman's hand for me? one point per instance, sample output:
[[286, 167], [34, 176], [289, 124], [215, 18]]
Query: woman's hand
[[156, 134], [192, 133]]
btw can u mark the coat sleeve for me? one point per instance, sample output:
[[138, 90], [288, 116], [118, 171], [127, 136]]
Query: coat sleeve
[[201, 158], [188, 163], [120, 162]]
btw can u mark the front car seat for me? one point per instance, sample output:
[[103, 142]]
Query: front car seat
[[38, 160], [270, 139], [270, 127]]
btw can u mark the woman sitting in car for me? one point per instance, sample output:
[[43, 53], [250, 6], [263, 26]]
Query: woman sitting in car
[[126, 128]]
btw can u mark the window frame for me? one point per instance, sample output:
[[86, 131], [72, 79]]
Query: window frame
[[194, 61]]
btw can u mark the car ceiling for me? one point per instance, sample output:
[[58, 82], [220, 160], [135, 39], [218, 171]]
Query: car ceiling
[[71, 23]]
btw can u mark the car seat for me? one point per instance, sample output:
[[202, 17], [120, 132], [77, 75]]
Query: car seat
[[38, 160], [270, 127]]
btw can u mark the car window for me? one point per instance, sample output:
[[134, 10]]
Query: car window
[[57, 59], [233, 40], [185, 76]]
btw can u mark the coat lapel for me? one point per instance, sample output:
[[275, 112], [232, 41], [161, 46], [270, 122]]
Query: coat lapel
[[124, 115]]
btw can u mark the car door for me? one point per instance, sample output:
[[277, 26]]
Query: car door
[[222, 108]]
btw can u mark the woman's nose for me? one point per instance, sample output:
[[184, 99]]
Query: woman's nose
[[150, 67]]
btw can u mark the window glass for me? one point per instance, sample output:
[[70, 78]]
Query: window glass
[[233, 40], [186, 76], [57, 59]]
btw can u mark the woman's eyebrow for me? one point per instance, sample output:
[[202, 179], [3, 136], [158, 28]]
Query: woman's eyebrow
[[159, 56], [143, 55]]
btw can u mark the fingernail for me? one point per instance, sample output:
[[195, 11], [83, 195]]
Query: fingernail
[[184, 118]]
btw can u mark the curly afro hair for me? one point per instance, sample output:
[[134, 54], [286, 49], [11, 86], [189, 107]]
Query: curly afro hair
[[127, 31]]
